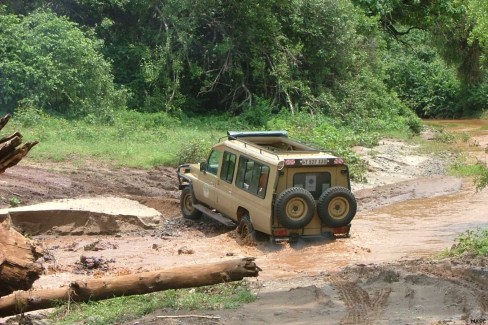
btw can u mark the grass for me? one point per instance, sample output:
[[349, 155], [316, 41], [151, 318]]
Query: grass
[[111, 311], [461, 167], [134, 140], [471, 241], [441, 143], [146, 140]]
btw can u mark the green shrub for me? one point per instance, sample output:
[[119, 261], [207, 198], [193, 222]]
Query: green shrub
[[194, 151], [27, 114], [52, 64], [444, 137], [422, 80], [472, 241], [256, 115], [481, 181]]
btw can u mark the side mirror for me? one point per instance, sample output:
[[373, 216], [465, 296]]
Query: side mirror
[[203, 166]]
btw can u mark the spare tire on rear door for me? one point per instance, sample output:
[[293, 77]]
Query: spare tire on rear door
[[294, 207], [337, 206]]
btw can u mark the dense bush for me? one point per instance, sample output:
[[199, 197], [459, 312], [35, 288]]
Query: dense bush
[[421, 79], [48, 62], [364, 63]]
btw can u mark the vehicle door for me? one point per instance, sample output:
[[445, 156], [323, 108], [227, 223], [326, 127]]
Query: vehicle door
[[226, 196], [205, 187]]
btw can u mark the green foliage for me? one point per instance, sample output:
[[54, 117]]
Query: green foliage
[[27, 114], [448, 85], [319, 56], [323, 133], [471, 241], [121, 309], [257, 115], [461, 167], [444, 137], [481, 181], [48, 62], [236, 56], [134, 139], [14, 201], [421, 79], [474, 98], [194, 151], [476, 11]]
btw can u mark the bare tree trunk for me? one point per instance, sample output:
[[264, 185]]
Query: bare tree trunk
[[18, 269], [132, 284]]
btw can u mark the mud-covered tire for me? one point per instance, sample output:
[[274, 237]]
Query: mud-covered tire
[[337, 206], [294, 207], [186, 204], [246, 231]]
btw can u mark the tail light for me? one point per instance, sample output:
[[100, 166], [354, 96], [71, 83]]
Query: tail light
[[280, 232], [342, 230]]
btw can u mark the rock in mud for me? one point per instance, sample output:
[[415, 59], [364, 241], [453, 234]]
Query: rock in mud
[[92, 262]]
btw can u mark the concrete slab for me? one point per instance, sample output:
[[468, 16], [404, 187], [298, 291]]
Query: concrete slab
[[98, 215]]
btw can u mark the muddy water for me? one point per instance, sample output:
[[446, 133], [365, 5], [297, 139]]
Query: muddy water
[[428, 225], [420, 227]]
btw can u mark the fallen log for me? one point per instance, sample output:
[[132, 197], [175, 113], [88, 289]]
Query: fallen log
[[10, 153], [4, 120], [12, 157], [18, 269], [132, 284]]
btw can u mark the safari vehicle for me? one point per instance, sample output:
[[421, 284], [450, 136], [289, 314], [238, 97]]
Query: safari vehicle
[[269, 184]]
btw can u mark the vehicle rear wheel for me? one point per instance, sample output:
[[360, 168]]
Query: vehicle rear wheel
[[186, 203], [247, 233], [337, 206], [294, 207], [246, 230]]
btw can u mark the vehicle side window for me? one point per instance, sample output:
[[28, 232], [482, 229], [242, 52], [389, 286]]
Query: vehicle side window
[[228, 167], [252, 176], [213, 162], [263, 181], [315, 183]]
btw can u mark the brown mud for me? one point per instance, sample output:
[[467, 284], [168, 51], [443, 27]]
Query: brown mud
[[408, 210]]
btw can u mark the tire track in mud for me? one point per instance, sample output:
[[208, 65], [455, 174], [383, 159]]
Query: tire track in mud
[[362, 308], [469, 273]]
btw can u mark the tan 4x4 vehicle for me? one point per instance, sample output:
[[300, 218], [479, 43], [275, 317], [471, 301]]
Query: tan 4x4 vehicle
[[268, 184]]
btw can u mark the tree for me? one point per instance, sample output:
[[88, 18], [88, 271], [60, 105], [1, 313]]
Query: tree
[[477, 11], [48, 62]]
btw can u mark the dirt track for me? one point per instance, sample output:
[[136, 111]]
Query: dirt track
[[407, 210]]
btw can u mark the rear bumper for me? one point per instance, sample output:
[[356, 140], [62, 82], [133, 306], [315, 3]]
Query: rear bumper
[[282, 235]]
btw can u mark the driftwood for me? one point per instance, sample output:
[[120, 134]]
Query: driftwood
[[18, 269], [132, 284], [17, 254], [10, 152]]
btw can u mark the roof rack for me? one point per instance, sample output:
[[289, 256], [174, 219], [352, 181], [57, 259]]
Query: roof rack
[[231, 135]]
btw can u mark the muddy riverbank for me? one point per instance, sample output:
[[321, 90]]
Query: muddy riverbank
[[409, 209]]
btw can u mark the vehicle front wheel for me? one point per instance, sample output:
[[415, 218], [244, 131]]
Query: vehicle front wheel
[[186, 203]]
